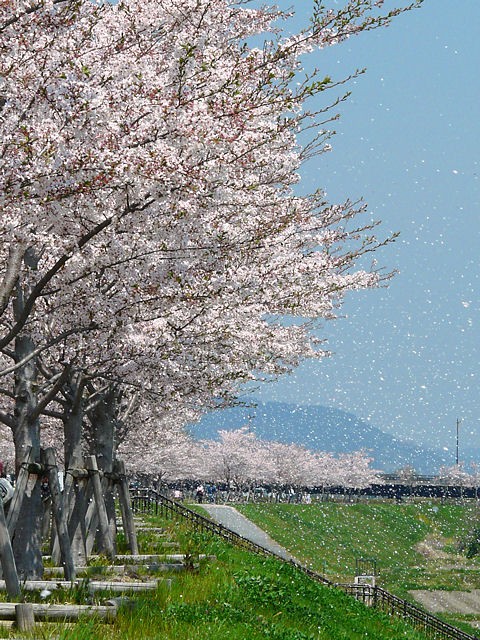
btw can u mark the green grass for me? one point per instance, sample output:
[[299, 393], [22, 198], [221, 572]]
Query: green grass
[[330, 536], [241, 596]]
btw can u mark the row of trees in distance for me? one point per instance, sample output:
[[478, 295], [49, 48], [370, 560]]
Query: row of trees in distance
[[240, 460]]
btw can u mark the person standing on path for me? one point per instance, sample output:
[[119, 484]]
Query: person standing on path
[[200, 493]]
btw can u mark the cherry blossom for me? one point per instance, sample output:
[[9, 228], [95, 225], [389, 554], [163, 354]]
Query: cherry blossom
[[153, 236]]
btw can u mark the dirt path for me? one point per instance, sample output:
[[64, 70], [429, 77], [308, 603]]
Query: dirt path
[[463, 602]]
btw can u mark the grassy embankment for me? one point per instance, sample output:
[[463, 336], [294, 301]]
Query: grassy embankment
[[239, 597], [415, 545]]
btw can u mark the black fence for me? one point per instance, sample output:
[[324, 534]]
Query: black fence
[[429, 624], [149, 501], [400, 491], [432, 626], [423, 487]]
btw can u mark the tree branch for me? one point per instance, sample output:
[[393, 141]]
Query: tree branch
[[56, 268], [7, 420], [38, 350], [47, 398], [15, 256], [18, 16]]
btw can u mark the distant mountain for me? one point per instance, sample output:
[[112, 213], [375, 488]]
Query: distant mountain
[[324, 429]]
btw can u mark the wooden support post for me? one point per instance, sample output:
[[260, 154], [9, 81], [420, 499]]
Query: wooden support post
[[91, 464], [74, 507], [94, 531], [91, 526], [126, 507], [109, 488], [59, 514], [6, 558], [19, 493], [47, 532], [76, 523], [25, 619], [77, 499]]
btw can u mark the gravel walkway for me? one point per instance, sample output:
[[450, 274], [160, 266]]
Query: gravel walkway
[[464, 602], [229, 517]]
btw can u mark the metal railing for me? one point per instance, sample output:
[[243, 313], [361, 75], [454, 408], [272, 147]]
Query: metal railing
[[149, 501], [432, 626], [390, 604]]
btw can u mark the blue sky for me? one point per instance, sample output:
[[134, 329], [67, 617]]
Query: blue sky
[[407, 358]]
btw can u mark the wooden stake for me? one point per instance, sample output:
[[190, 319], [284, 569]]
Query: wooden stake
[[91, 464], [126, 507], [19, 493], [74, 507], [59, 514], [6, 558], [91, 526], [25, 619]]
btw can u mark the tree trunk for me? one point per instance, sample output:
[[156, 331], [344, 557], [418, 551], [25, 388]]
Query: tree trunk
[[103, 419], [74, 501], [26, 433], [28, 532]]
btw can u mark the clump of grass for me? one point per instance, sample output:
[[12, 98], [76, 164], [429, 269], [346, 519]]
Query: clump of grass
[[149, 542], [470, 544]]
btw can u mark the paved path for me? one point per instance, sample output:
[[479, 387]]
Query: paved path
[[229, 517]]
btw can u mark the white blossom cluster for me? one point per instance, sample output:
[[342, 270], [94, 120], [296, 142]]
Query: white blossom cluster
[[153, 239], [239, 459]]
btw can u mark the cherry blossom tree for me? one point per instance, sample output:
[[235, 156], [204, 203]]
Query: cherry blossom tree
[[7, 450], [355, 470], [454, 475], [324, 472], [291, 464], [233, 459], [166, 454], [149, 161], [240, 460]]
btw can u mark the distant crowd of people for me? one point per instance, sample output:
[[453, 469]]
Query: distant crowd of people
[[211, 493]]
